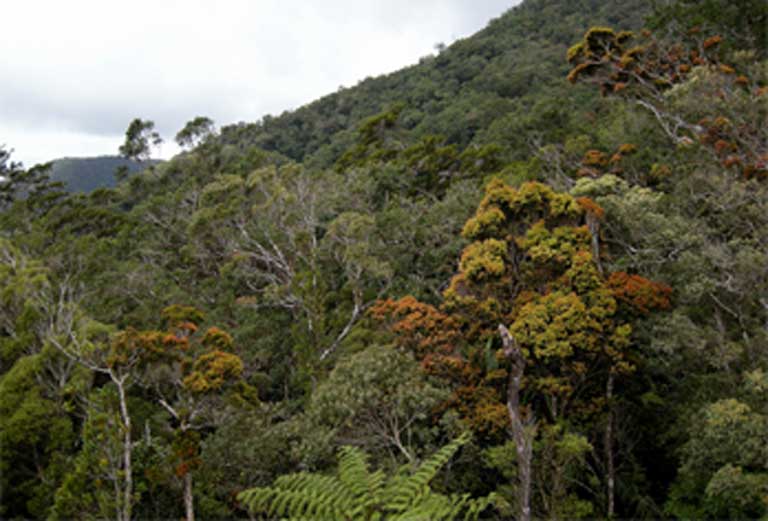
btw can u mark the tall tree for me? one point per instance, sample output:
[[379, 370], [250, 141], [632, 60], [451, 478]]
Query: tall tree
[[530, 285], [189, 374], [195, 132], [39, 389], [88, 343], [140, 137]]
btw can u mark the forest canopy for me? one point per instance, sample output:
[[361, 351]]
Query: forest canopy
[[526, 278]]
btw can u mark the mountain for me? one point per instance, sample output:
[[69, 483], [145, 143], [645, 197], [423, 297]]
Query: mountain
[[488, 88], [86, 174]]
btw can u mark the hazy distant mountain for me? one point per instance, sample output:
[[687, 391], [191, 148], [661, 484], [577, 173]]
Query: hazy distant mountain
[[85, 174]]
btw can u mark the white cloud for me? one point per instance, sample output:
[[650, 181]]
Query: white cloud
[[76, 72]]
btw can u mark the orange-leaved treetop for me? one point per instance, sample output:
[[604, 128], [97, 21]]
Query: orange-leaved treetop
[[693, 94], [531, 332], [190, 371]]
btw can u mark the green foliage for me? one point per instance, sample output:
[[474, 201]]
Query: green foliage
[[195, 132], [745, 22], [480, 90], [301, 234], [357, 493], [88, 490], [38, 392], [561, 457], [724, 471], [32, 189], [425, 168], [36, 436], [139, 137], [379, 398]]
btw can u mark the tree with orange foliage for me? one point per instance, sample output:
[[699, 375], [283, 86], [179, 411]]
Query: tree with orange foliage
[[189, 371], [693, 94], [531, 332]]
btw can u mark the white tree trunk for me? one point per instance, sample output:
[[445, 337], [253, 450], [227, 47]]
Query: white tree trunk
[[611, 470], [127, 448], [189, 503], [522, 431]]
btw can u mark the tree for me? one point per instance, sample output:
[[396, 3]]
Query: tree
[[195, 132], [425, 168], [139, 138], [88, 343], [359, 494], [743, 22], [189, 374], [704, 233], [289, 246], [726, 113], [39, 390], [32, 185], [9, 172], [380, 399], [724, 472], [533, 264], [91, 488]]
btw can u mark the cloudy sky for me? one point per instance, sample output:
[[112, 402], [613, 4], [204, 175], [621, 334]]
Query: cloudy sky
[[74, 73]]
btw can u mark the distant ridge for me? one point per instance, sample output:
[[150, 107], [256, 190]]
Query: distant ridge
[[86, 174]]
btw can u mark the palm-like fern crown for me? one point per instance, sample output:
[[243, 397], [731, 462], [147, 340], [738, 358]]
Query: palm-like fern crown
[[356, 493]]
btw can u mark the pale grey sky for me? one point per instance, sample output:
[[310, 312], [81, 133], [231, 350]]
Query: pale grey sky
[[75, 72]]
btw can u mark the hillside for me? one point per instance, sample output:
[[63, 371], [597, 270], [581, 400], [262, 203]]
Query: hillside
[[86, 174], [526, 278], [488, 88]]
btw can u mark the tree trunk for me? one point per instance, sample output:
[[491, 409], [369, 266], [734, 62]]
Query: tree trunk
[[118, 503], [189, 505], [593, 223], [127, 448], [522, 431], [610, 467]]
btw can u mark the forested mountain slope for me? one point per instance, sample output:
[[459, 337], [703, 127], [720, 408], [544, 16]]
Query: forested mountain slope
[[488, 88], [85, 174], [524, 279]]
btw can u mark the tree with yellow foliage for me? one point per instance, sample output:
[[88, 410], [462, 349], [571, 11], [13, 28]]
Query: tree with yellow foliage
[[190, 372], [532, 332]]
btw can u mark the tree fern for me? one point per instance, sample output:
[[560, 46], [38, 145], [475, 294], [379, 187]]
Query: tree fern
[[356, 493]]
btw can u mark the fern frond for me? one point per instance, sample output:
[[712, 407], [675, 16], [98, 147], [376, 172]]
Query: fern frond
[[353, 470], [299, 495], [327, 488], [358, 494], [410, 491], [479, 505], [376, 483], [256, 499]]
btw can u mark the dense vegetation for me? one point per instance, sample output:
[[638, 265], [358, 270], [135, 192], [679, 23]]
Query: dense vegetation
[[526, 278]]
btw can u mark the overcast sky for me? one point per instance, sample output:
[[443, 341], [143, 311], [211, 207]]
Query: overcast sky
[[73, 73]]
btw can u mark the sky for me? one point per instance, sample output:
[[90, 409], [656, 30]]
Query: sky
[[74, 73]]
